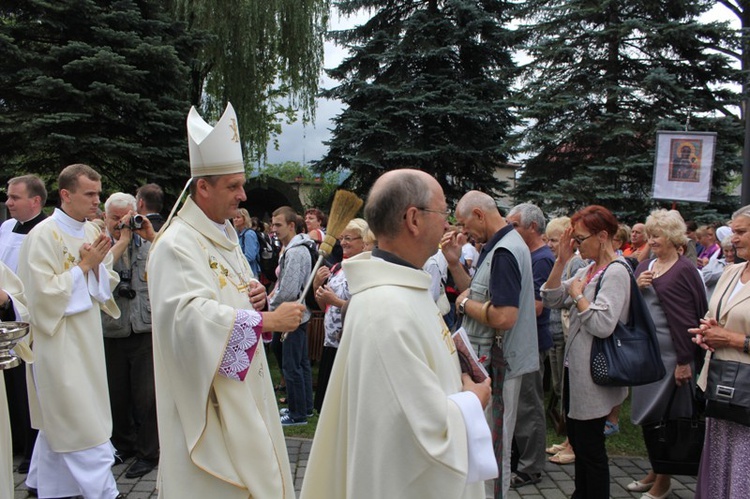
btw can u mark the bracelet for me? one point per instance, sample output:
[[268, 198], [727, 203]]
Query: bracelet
[[746, 347], [486, 311]]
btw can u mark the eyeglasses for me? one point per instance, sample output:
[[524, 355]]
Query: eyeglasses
[[579, 239], [348, 239], [445, 213]]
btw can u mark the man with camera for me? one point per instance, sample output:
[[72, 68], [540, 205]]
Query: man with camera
[[127, 340]]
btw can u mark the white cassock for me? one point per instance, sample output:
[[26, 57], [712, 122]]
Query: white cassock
[[11, 285], [10, 244], [395, 423], [218, 437], [68, 395]]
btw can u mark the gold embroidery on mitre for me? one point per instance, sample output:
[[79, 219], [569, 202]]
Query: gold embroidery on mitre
[[235, 130]]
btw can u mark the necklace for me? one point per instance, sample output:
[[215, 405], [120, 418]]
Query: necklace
[[659, 267]]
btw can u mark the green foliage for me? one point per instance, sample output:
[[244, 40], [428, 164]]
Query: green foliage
[[427, 86], [262, 55], [293, 171], [102, 83], [605, 77]]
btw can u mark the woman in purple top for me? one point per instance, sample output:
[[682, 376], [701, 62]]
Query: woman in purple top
[[676, 297]]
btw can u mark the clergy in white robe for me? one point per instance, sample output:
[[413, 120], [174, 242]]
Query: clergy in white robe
[[219, 429], [398, 420], [66, 268], [13, 310]]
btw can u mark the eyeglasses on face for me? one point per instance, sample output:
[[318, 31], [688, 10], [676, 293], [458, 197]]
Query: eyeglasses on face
[[445, 213], [348, 239], [580, 239]]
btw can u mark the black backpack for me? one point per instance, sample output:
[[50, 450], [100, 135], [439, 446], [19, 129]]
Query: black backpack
[[268, 256]]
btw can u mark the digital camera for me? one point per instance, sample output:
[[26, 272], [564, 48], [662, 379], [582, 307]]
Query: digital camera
[[135, 223]]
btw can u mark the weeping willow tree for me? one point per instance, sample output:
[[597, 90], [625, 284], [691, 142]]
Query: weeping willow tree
[[264, 56]]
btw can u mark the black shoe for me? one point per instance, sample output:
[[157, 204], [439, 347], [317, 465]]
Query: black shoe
[[23, 468], [140, 468], [521, 479], [32, 492]]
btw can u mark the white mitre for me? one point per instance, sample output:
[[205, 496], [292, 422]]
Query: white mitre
[[214, 150]]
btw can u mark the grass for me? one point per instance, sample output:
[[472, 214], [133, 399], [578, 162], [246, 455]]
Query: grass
[[628, 442]]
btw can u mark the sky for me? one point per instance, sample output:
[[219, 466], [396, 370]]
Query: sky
[[304, 144]]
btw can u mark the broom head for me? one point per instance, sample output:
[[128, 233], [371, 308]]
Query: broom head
[[345, 206]]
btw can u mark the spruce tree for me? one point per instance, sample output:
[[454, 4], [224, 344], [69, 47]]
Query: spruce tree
[[427, 86], [604, 77], [95, 82]]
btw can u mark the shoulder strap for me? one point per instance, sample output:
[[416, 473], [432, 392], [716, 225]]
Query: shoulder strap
[[601, 277]]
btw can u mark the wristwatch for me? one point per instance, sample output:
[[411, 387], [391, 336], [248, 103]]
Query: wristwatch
[[575, 300], [462, 305]]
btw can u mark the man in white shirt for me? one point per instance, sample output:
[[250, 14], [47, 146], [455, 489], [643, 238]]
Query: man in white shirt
[[26, 198], [66, 269]]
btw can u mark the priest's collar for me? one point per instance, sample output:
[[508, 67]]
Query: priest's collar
[[25, 227], [391, 258], [67, 224]]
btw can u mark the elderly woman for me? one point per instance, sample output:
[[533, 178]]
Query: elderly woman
[[248, 239], [676, 298], [592, 315], [707, 238], [712, 272], [332, 293], [724, 332]]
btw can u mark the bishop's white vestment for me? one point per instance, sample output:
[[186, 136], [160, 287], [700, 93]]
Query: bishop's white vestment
[[395, 423], [219, 437]]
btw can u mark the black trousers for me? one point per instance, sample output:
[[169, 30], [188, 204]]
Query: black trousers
[[324, 374], [22, 434], [592, 464], [132, 397]]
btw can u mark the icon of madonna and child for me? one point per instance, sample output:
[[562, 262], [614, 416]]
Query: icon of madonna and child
[[686, 160]]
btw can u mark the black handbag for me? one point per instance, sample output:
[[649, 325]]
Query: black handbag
[[674, 445], [630, 356], [728, 391]]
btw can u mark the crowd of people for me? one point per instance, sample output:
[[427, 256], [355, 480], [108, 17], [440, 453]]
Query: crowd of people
[[149, 336]]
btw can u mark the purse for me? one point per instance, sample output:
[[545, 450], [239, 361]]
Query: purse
[[674, 445], [630, 356], [728, 391]]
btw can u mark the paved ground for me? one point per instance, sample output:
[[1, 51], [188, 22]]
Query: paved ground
[[557, 481]]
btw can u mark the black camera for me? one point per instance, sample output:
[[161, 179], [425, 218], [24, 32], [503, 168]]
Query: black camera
[[123, 289], [135, 223]]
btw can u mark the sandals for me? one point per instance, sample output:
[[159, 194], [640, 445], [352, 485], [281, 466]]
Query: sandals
[[282, 400], [522, 479], [555, 449], [610, 428], [563, 457], [639, 486]]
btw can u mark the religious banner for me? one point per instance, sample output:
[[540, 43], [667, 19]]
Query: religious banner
[[683, 166]]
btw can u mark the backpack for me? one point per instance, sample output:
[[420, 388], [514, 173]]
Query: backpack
[[268, 256]]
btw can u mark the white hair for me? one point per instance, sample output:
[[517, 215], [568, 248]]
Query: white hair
[[120, 200]]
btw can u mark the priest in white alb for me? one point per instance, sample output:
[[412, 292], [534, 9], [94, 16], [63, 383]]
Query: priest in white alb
[[12, 308], [219, 429], [399, 420], [66, 269]]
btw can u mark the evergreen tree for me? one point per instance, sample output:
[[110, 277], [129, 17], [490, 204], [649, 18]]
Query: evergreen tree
[[427, 86], [605, 76], [95, 82]]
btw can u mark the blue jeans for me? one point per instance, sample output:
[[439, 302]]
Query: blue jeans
[[297, 373]]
